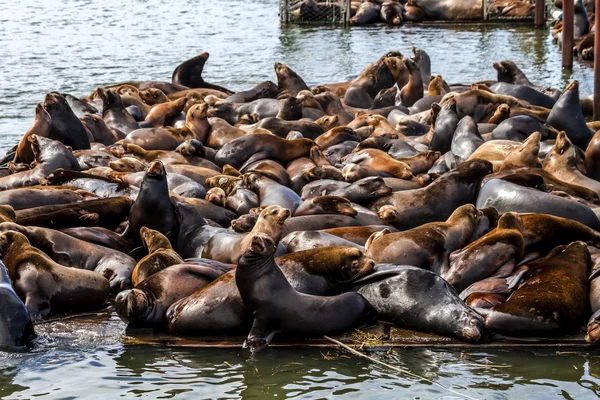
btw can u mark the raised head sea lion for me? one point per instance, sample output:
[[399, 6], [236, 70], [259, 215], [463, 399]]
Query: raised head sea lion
[[160, 256], [41, 127], [566, 115], [258, 278], [189, 74], [114, 113], [64, 124]]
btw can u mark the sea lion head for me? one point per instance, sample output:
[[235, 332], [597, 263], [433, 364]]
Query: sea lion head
[[354, 264], [260, 251], [197, 112], [109, 98], [191, 148], [273, 216], [55, 101], [388, 213], [9, 238], [333, 205], [133, 305], [220, 110], [217, 196], [156, 171], [469, 325], [372, 187], [244, 223], [153, 96], [322, 172], [281, 70], [327, 122], [154, 240]]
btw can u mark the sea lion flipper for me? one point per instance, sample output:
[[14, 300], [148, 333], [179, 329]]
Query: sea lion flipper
[[260, 336]]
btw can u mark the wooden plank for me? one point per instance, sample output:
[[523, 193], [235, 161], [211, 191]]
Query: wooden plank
[[567, 34]]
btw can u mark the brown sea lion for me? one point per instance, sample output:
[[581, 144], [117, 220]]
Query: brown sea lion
[[325, 205], [379, 161], [127, 164], [160, 256], [501, 248], [554, 297], [162, 113], [46, 286], [592, 158], [36, 196], [413, 90], [40, 127], [525, 155]]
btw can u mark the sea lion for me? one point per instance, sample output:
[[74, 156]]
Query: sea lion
[[520, 127], [46, 286], [563, 161], [88, 159], [40, 127], [49, 155], [289, 83], [507, 196], [500, 248], [450, 10], [272, 193], [413, 90], [16, 330], [160, 256], [100, 131], [189, 74], [554, 297], [524, 155], [69, 217], [258, 278], [361, 191], [421, 58], [445, 126], [228, 247], [95, 184], [419, 299], [269, 169], [64, 124], [127, 164], [114, 113], [427, 246], [523, 92], [309, 240], [163, 113], [147, 304], [380, 162], [245, 150], [154, 195], [466, 139], [544, 232], [367, 12], [370, 81], [566, 115], [266, 89], [592, 157], [438, 200], [218, 214], [325, 205], [36, 196], [101, 236]]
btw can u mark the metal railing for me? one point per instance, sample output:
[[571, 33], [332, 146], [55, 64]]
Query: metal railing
[[314, 11]]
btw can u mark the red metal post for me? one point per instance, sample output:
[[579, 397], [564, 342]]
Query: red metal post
[[567, 34], [540, 13], [597, 66]]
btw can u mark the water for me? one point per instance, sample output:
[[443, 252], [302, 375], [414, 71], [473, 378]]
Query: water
[[74, 46]]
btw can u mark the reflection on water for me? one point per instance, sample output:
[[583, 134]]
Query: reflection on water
[[74, 46]]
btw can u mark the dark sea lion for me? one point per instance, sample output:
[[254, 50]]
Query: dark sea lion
[[266, 89], [466, 138], [36, 196], [46, 286], [553, 299], [100, 131], [437, 201], [501, 247], [566, 115], [544, 232], [282, 128], [114, 113], [520, 127], [64, 124], [563, 161], [289, 83], [524, 92], [154, 195], [248, 149], [40, 127], [445, 125], [318, 222], [50, 155], [93, 158], [357, 234], [419, 299], [178, 184], [592, 158], [67, 218], [367, 12], [507, 196], [427, 246], [101, 236], [272, 193], [308, 240], [189, 73], [228, 247], [509, 72], [147, 304], [258, 278], [361, 191], [269, 169], [218, 214], [97, 185], [16, 330], [112, 211], [421, 58], [71, 252], [325, 205], [160, 256], [370, 81]]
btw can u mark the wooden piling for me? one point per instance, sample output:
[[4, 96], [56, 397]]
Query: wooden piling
[[597, 67], [567, 34], [540, 13]]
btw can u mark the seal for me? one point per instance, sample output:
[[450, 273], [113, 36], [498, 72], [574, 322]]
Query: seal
[[553, 299], [427, 246], [228, 246], [500, 248], [147, 304], [419, 299], [258, 279], [160, 256], [47, 286], [445, 126], [16, 330], [438, 200], [64, 124], [41, 127], [154, 195], [49, 155]]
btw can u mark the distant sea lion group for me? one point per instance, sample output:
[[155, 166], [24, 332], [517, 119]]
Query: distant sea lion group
[[463, 210]]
